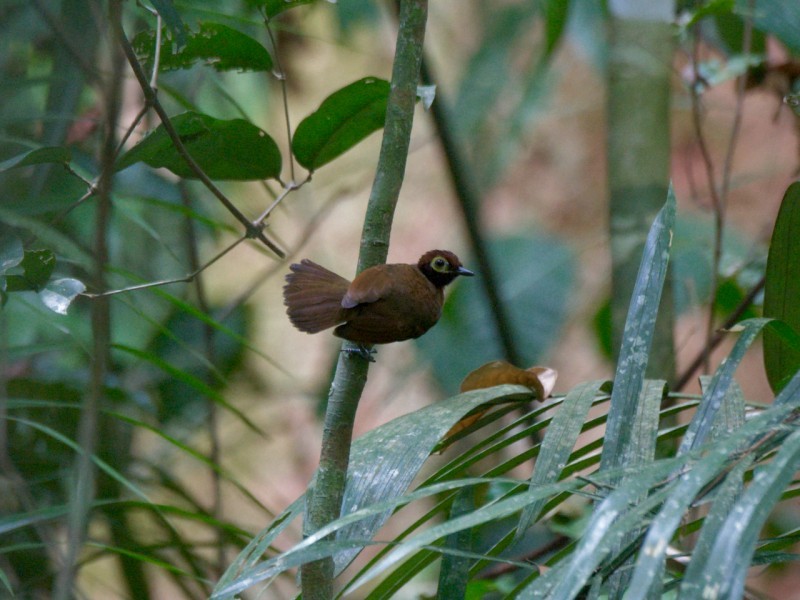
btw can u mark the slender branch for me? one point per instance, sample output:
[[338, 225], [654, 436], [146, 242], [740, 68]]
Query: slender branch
[[719, 335], [468, 193], [184, 279], [196, 270], [151, 98], [716, 201], [719, 198], [281, 75], [324, 500], [88, 427]]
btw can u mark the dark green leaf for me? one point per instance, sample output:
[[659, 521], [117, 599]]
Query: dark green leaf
[[637, 336], [11, 251], [58, 294], [559, 440], [454, 570], [706, 9], [383, 463], [343, 119], [730, 28], [780, 18], [225, 149], [692, 481], [217, 45], [272, 8], [52, 154], [166, 9], [556, 14], [37, 266], [734, 546], [714, 395], [385, 460], [782, 289]]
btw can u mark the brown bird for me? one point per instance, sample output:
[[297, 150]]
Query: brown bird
[[383, 304]]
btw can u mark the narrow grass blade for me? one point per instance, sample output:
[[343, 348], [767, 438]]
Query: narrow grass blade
[[650, 561], [735, 545], [386, 460], [637, 336], [559, 440], [714, 395]]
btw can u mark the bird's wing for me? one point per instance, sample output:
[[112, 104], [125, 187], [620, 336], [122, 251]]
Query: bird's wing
[[371, 285]]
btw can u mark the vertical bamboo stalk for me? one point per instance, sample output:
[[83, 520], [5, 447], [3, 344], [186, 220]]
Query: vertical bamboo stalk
[[325, 498]]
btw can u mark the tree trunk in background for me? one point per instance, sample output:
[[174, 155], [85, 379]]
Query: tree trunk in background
[[640, 64]]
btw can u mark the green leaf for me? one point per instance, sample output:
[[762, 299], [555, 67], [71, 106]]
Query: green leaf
[[273, 8], [692, 481], [196, 384], [735, 545], [385, 460], [50, 154], [782, 289], [559, 440], [166, 9], [343, 119], [11, 251], [225, 149], [454, 570], [37, 266], [713, 396], [713, 526], [637, 336], [556, 15], [780, 18], [217, 45], [58, 294], [383, 464]]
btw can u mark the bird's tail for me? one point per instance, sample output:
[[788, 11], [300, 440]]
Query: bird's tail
[[313, 296]]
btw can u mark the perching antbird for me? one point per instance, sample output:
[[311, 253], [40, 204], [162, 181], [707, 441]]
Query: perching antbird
[[383, 304]]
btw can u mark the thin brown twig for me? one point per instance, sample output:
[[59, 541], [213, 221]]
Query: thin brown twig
[[151, 99], [716, 201], [281, 75], [719, 196], [184, 279], [719, 334]]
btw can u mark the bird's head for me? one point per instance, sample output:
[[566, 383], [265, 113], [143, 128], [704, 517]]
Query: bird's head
[[441, 267]]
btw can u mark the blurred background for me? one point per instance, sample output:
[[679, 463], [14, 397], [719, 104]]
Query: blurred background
[[527, 103]]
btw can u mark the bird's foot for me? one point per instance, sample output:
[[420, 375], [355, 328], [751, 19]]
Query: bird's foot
[[364, 352]]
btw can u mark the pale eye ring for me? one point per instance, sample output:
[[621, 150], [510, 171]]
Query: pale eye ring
[[439, 263]]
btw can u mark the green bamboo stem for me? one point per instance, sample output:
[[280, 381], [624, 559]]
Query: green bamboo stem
[[638, 141], [325, 498]]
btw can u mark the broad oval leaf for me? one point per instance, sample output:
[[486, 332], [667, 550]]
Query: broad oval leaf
[[217, 45], [782, 290], [225, 149], [59, 294], [343, 119], [48, 154]]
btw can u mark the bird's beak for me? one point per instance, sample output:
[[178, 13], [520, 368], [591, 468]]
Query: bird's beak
[[465, 272]]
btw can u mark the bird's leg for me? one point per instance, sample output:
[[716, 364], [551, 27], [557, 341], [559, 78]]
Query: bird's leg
[[361, 350]]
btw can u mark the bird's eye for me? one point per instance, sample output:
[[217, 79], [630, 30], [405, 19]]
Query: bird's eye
[[440, 264]]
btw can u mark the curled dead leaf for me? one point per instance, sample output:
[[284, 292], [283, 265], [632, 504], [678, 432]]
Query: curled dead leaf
[[540, 380]]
